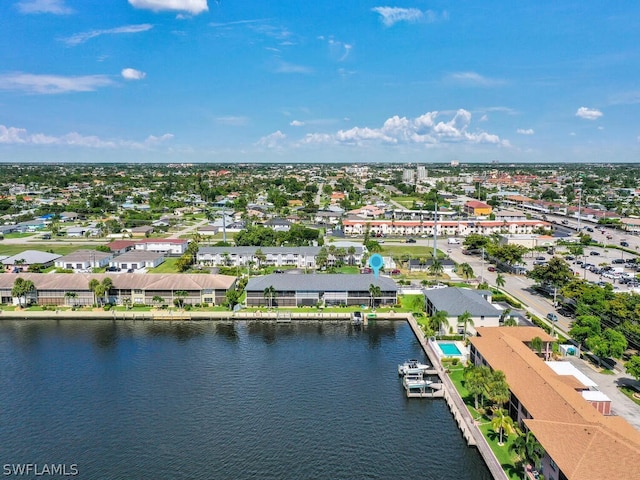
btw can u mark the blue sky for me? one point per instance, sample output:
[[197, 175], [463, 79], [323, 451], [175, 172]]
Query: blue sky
[[326, 81]]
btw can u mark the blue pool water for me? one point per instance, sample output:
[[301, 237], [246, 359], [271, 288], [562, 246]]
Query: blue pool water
[[449, 348]]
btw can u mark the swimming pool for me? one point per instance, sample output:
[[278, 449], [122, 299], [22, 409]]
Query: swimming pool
[[449, 349]]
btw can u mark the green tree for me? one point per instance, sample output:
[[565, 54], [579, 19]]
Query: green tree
[[537, 344], [466, 271], [93, 285], [475, 381], [633, 367], [439, 320], [436, 268], [465, 319], [70, 297], [610, 344], [528, 449], [476, 241], [157, 299], [270, 293], [21, 288], [500, 281], [509, 253], [502, 424], [556, 272], [180, 295], [375, 292], [497, 388], [585, 326], [231, 298]]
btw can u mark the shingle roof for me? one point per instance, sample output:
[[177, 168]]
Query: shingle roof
[[30, 257], [332, 282], [266, 250], [455, 301], [84, 255], [80, 281]]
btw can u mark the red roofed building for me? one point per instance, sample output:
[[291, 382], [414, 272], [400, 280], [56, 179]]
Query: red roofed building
[[477, 208]]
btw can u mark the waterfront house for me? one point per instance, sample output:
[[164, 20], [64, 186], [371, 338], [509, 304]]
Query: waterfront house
[[295, 290], [562, 413], [456, 301], [65, 289]]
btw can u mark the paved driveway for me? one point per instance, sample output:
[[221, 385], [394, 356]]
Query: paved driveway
[[608, 384]]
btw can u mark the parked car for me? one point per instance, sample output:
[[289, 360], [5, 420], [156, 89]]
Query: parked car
[[624, 244], [617, 261], [589, 229], [594, 253], [491, 268], [570, 257], [410, 240], [540, 258]]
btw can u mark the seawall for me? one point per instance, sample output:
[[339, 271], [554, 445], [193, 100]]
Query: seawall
[[470, 431]]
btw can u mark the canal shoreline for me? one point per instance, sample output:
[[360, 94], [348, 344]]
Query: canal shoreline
[[468, 428]]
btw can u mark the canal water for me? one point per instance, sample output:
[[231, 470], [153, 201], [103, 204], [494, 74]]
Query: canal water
[[212, 400]]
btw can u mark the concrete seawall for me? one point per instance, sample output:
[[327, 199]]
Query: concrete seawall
[[470, 431]]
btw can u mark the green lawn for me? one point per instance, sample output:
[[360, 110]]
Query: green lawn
[[405, 201], [168, 266], [629, 392], [59, 249], [19, 235], [506, 458], [414, 251]]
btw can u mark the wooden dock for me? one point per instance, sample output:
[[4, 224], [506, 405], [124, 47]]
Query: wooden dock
[[433, 390]]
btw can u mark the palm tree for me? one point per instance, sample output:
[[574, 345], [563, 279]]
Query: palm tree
[[260, 257], [465, 319], [498, 388], [466, 271], [438, 320], [436, 268], [180, 294], [500, 281], [351, 251], [21, 288], [475, 381], [157, 299], [537, 344], [502, 424], [375, 291], [528, 449], [270, 293], [93, 285], [71, 295]]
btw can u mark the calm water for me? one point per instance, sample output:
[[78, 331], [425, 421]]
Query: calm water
[[222, 401]]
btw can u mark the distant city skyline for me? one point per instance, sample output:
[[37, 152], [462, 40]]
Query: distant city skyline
[[192, 81]]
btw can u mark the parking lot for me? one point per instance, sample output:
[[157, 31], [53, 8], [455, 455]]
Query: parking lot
[[597, 265]]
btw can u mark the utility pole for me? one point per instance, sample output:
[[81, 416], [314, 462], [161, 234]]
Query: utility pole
[[579, 205], [224, 226], [435, 229], [482, 268]]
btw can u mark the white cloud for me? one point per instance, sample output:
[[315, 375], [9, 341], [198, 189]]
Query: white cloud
[[588, 113], [52, 84], [338, 50], [273, 140], [57, 7], [20, 136], [296, 123], [392, 15], [484, 118], [425, 130], [132, 74], [233, 121], [284, 67], [82, 37], [475, 79], [525, 131], [194, 7]]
